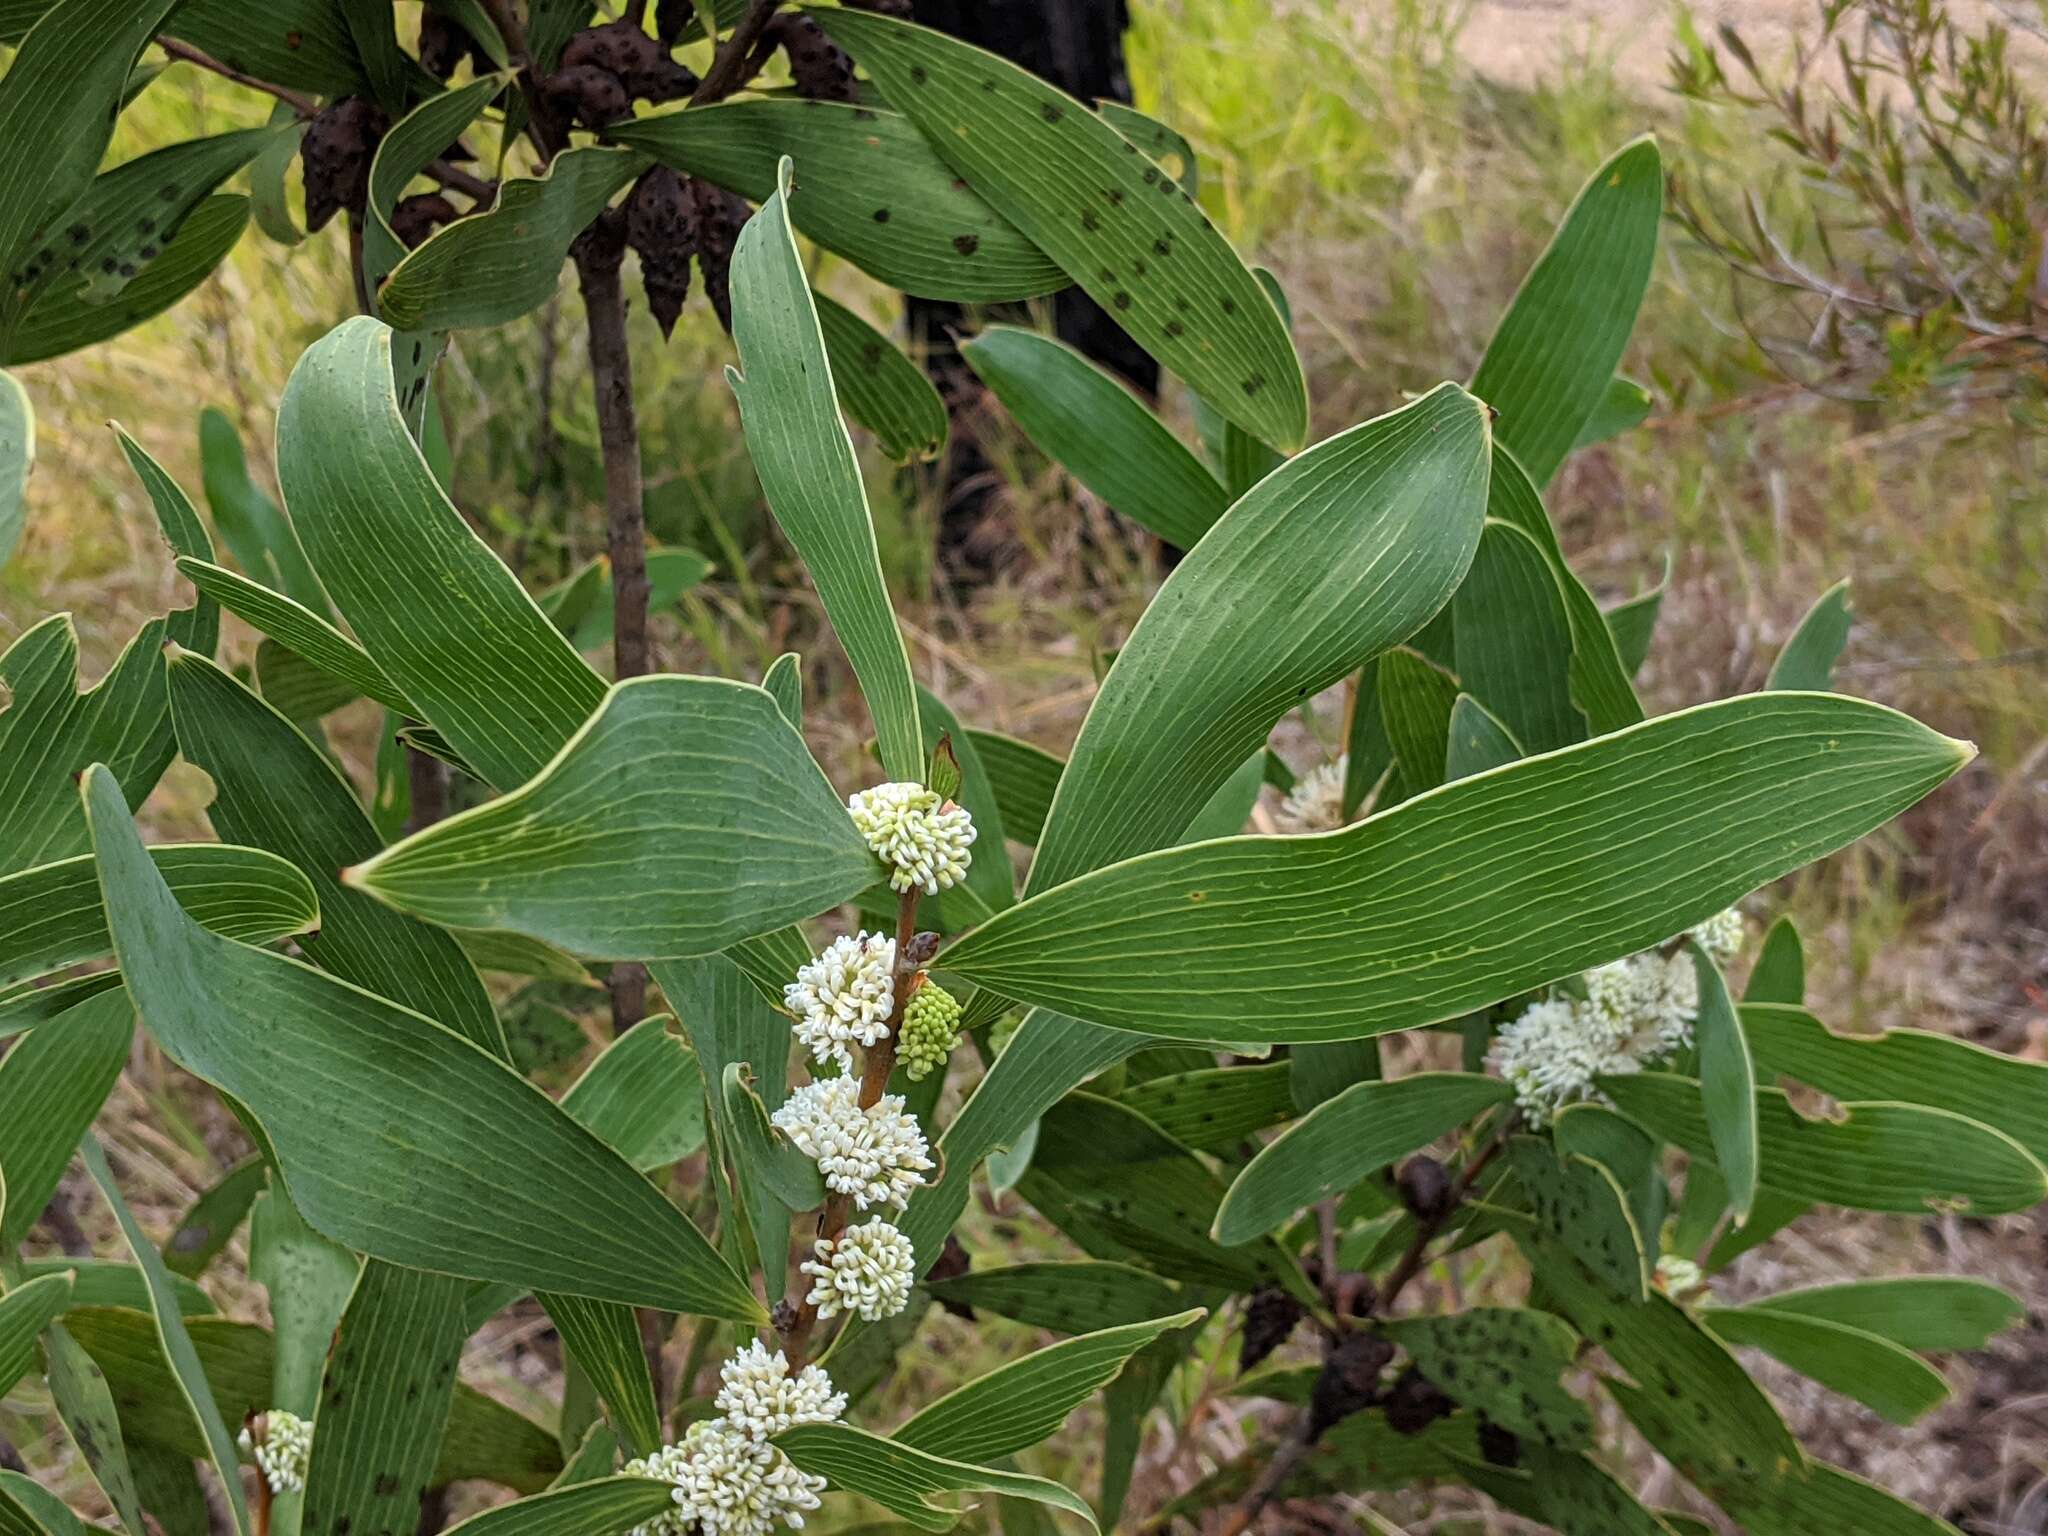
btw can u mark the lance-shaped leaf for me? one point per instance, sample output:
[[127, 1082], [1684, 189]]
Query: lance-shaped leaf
[[1931, 1312], [1910, 1066], [38, 1511], [111, 1283], [1019, 1404], [52, 1084], [79, 1392], [1562, 1491], [1824, 1498], [1727, 1086], [1864, 1156], [1091, 425], [1022, 778], [881, 388], [24, 1312], [1330, 559], [869, 187], [643, 1097], [443, 617], [604, 1342], [1514, 645], [1808, 660], [484, 1439], [1633, 623], [1582, 1205], [1550, 361], [809, 475], [172, 1337], [66, 317], [1213, 1108], [1503, 1362], [908, 1482], [1475, 741], [1630, 1154], [1472, 893], [1064, 1295], [308, 1281], [251, 525], [1893, 1382], [607, 1504], [1624, 407], [58, 102], [1345, 1138], [212, 1218], [1162, 145], [50, 915], [414, 141], [1116, 224], [433, 1127], [1416, 698], [1779, 975], [728, 830], [17, 453], [991, 880], [496, 265], [299, 630]]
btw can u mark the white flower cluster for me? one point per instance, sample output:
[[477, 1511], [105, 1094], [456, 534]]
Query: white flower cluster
[[1635, 1012], [867, 1270], [1316, 803], [926, 841], [1679, 1278], [730, 1479], [844, 997], [282, 1445], [876, 1155]]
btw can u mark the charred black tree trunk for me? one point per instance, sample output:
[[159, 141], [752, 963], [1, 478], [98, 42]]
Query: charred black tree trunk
[[1079, 46]]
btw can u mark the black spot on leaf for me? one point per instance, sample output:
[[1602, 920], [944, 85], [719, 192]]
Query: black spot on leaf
[[1089, 220], [1052, 111], [967, 245], [1122, 299], [881, 215]]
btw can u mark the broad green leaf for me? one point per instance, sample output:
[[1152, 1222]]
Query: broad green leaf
[[1503, 1362], [296, 688], [1373, 928], [1215, 1108], [1345, 1138], [1476, 741], [1633, 624], [1910, 1066], [484, 1438], [172, 1337], [801, 451], [1064, 1295], [879, 387], [609, 1504], [307, 1281], [58, 102], [1825, 1498], [1241, 458], [110, 1283], [1552, 357], [784, 681], [1359, 1455], [269, 201], [196, 628], [1416, 700], [1162, 145], [31, 1003], [1581, 1205], [1090, 424], [1623, 408], [414, 140], [1231, 806], [603, 1341], [66, 317], [1779, 975], [643, 1097], [275, 789], [17, 454], [1318, 1073], [1625, 1150], [770, 1161], [50, 915], [1124, 1190], [1893, 1382], [1514, 645], [1864, 1156], [1600, 682], [1773, 1213], [1019, 1404], [441, 614], [498, 264], [670, 573], [1562, 1491], [170, 1490], [299, 630], [1023, 778], [213, 1217], [1727, 1086], [1930, 1312], [731, 831], [80, 1393], [1686, 1393], [1369, 764], [52, 1084], [1808, 660], [24, 1312], [1343, 551], [40, 1512], [302, 43], [1133, 240], [991, 879], [433, 1127], [868, 187], [909, 1482]]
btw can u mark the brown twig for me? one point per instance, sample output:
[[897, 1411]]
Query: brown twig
[[729, 69], [302, 104]]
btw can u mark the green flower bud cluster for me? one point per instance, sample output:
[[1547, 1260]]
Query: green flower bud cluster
[[930, 1030]]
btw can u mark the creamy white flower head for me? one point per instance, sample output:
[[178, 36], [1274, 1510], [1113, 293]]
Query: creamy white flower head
[[925, 841], [1679, 1278], [1648, 1001], [876, 1155], [1552, 1053], [282, 1445], [727, 1483], [867, 1270], [844, 997], [761, 1398], [1721, 935], [1316, 803]]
